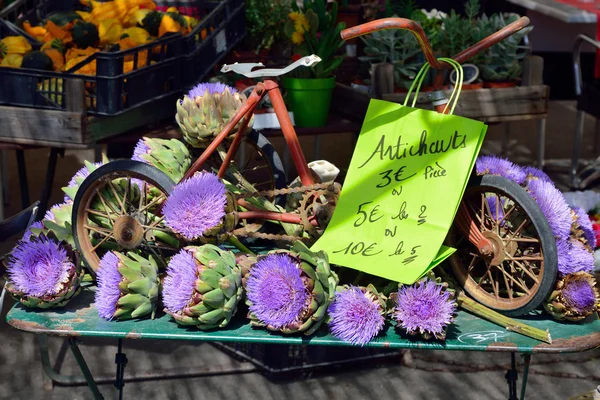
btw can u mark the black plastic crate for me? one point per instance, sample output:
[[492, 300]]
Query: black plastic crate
[[284, 362], [161, 69]]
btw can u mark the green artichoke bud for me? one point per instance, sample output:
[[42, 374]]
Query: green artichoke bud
[[203, 287], [574, 298], [290, 291], [128, 286], [43, 272], [171, 156], [73, 185], [205, 110]]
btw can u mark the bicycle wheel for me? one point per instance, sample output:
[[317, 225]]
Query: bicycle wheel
[[522, 270], [116, 209]]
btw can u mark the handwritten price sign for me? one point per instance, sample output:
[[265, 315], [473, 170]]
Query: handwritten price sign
[[404, 185]]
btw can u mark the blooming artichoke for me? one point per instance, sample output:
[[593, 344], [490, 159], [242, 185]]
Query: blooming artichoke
[[582, 228], [128, 286], [290, 291], [425, 308], [200, 208], [203, 287], [574, 298], [171, 156], [495, 165], [43, 272], [205, 110], [357, 314]]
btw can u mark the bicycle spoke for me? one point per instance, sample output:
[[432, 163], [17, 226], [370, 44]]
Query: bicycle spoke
[[507, 275], [106, 204], [117, 197], [526, 270], [98, 213], [509, 287], [102, 241]]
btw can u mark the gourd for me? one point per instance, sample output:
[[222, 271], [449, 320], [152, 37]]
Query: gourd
[[37, 60], [85, 34], [152, 21]]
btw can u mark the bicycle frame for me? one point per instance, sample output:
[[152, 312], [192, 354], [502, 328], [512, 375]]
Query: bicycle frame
[[260, 91], [464, 220]]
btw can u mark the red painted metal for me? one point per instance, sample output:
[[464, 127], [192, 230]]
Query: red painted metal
[[289, 133], [396, 23], [415, 28], [235, 145], [246, 109]]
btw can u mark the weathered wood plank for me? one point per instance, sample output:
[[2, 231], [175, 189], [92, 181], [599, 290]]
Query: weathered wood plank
[[35, 126], [486, 103]]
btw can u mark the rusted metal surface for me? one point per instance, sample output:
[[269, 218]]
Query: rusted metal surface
[[571, 344], [396, 23]]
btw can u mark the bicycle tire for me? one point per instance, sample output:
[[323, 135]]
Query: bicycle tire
[[538, 224]]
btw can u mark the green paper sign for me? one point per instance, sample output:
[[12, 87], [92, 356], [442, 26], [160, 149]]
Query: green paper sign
[[403, 188]]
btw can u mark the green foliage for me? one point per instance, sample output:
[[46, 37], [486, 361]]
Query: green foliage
[[264, 21], [397, 47], [503, 61], [322, 38]]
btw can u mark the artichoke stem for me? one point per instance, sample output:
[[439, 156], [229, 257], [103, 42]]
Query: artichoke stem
[[239, 245], [510, 324], [166, 238]]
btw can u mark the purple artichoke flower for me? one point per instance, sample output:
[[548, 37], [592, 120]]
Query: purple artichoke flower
[[108, 292], [553, 205], [579, 295], [140, 149], [356, 315], [79, 175], [573, 257], [499, 166], [277, 291], [536, 173], [40, 267], [424, 308], [35, 225], [585, 224], [195, 205], [179, 284], [492, 201], [216, 87]]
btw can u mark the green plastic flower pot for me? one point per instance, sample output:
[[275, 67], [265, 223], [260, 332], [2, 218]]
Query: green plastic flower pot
[[309, 99]]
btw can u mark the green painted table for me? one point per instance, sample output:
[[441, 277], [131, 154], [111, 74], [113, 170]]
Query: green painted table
[[80, 319]]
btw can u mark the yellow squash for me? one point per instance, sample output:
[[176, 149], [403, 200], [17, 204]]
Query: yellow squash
[[138, 35], [58, 60], [168, 24], [14, 45], [110, 31], [12, 60]]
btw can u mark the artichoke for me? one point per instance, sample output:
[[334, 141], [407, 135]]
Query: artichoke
[[200, 208], [58, 221], [128, 286], [43, 272], [205, 110], [203, 287], [290, 291], [574, 298], [171, 156]]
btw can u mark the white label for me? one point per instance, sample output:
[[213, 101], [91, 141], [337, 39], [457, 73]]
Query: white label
[[221, 41]]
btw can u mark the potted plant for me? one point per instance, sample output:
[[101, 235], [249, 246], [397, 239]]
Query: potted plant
[[263, 21], [501, 65], [313, 30]]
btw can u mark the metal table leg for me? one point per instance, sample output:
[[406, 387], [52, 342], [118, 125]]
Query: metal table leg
[[541, 143], [47, 191], [527, 358], [577, 146], [84, 369], [22, 178], [511, 378], [121, 361]]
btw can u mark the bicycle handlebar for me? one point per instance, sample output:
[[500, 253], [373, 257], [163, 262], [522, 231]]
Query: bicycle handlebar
[[415, 28]]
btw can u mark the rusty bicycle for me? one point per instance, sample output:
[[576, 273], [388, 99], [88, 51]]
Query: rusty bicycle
[[507, 263]]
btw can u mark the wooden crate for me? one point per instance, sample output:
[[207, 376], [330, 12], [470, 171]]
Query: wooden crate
[[73, 128], [493, 105]]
